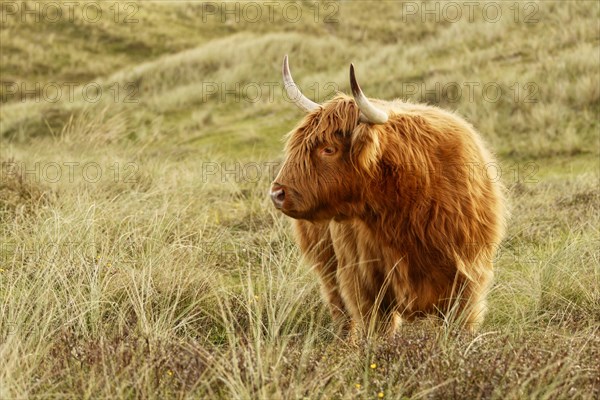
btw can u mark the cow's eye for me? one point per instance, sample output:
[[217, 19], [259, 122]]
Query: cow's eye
[[328, 151]]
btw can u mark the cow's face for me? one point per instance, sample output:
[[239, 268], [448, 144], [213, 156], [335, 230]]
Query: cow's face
[[318, 178], [329, 156]]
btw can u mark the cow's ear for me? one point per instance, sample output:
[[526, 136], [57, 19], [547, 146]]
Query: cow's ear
[[366, 148]]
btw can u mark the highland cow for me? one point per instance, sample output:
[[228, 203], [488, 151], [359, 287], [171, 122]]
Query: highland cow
[[391, 207]]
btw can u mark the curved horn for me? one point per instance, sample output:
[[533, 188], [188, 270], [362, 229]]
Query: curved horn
[[294, 92], [369, 113]]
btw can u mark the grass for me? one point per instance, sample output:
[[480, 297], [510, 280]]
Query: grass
[[169, 275]]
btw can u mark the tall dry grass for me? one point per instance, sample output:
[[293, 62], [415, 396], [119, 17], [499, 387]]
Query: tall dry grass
[[170, 276]]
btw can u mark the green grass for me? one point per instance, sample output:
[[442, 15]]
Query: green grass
[[167, 278]]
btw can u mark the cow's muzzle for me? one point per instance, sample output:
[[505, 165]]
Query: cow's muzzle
[[277, 195]]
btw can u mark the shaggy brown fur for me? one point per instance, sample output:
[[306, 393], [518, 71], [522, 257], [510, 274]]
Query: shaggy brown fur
[[400, 219]]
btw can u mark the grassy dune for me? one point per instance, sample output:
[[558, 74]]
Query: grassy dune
[[141, 258]]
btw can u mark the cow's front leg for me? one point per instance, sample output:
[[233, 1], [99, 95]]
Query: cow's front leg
[[360, 294], [358, 284], [316, 245]]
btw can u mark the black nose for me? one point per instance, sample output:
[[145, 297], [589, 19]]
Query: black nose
[[278, 196]]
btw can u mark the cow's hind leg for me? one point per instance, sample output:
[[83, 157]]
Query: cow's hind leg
[[476, 303], [466, 305]]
